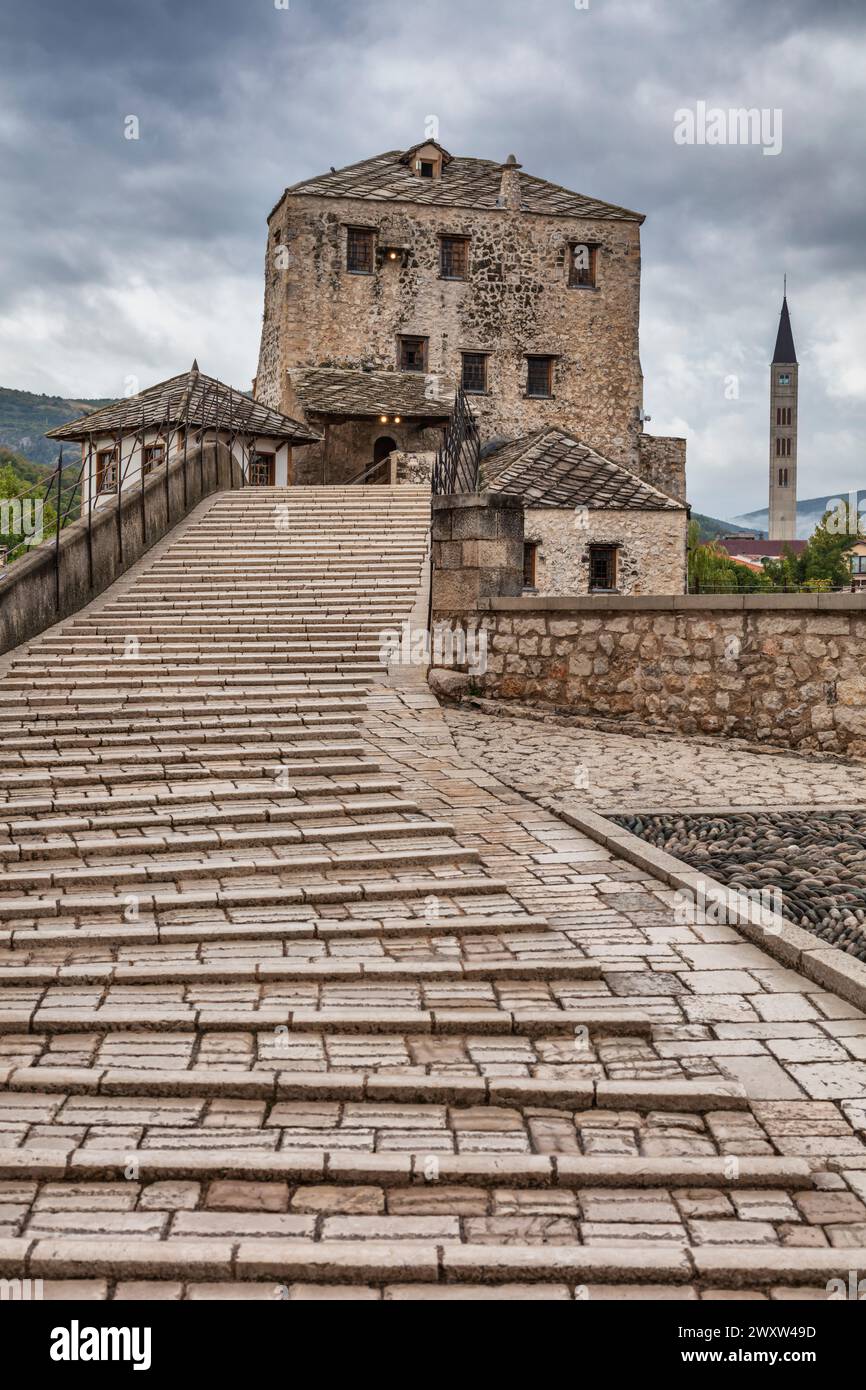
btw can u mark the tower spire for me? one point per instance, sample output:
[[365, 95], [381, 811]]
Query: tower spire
[[784, 373], [784, 350]]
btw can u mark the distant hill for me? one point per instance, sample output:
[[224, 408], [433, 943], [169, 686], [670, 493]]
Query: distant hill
[[809, 513], [23, 468], [712, 528], [24, 418]]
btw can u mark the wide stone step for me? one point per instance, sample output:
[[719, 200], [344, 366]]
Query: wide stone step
[[155, 733], [184, 797], [200, 900], [174, 867], [80, 750], [206, 816], [304, 763], [212, 839], [127, 711], [335, 929], [379, 1020], [390, 1170], [271, 971]]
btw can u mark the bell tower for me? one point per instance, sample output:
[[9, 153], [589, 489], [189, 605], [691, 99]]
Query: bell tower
[[783, 432]]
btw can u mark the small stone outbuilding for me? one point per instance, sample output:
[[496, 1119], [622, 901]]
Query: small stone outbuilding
[[591, 525]]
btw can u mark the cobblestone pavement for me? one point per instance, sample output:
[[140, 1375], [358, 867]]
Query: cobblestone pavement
[[379, 1026], [618, 772], [810, 866]]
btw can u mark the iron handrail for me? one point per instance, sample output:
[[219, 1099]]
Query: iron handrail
[[457, 468]]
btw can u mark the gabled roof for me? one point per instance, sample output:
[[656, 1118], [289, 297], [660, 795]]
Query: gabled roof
[[784, 352], [464, 182], [191, 398], [552, 468], [340, 391]]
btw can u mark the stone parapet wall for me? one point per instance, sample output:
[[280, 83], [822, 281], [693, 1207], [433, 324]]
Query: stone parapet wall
[[785, 669], [92, 556], [477, 549]]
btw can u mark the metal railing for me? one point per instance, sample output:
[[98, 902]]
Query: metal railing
[[696, 587], [458, 460]]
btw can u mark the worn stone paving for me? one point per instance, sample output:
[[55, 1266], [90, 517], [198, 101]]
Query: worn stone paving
[[365, 1070], [626, 772]]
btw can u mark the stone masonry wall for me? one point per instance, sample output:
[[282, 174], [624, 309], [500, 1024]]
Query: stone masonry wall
[[663, 463], [651, 555], [476, 549], [516, 301], [787, 669]]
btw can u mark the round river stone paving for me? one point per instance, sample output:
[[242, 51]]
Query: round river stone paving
[[816, 860]]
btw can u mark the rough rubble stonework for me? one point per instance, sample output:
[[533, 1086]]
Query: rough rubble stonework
[[651, 549], [783, 670], [516, 300], [298, 1002]]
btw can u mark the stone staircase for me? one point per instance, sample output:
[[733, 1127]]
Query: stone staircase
[[273, 1020]]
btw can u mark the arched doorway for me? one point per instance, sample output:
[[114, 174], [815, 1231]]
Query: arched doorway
[[382, 450]]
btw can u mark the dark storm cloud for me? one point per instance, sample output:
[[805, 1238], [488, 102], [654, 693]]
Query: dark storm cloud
[[124, 257]]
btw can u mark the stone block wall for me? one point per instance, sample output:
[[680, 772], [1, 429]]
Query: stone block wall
[[785, 669], [662, 462], [477, 550]]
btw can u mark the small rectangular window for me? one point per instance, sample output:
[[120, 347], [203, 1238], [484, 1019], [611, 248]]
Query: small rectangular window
[[785, 379], [262, 469], [453, 257], [539, 380], [582, 261], [151, 457], [530, 563], [413, 354], [360, 251], [602, 567], [427, 169], [783, 477], [106, 470], [475, 372]]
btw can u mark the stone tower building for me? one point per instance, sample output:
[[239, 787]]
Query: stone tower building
[[394, 281], [783, 433]]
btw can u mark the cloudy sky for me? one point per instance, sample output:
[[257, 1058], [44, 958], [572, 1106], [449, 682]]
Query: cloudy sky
[[125, 258]]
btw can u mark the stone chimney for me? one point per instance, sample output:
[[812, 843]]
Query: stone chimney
[[509, 189]]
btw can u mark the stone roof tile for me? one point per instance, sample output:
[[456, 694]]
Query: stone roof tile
[[191, 398], [552, 468], [464, 182], [341, 391]]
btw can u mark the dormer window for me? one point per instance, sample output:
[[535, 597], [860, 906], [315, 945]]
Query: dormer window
[[426, 161]]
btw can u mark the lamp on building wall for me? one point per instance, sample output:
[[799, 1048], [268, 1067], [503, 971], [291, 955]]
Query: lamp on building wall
[[392, 254], [389, 420]]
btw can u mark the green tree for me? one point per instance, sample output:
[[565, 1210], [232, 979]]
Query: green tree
[[711, 568], [33, 522], [825, 559]]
